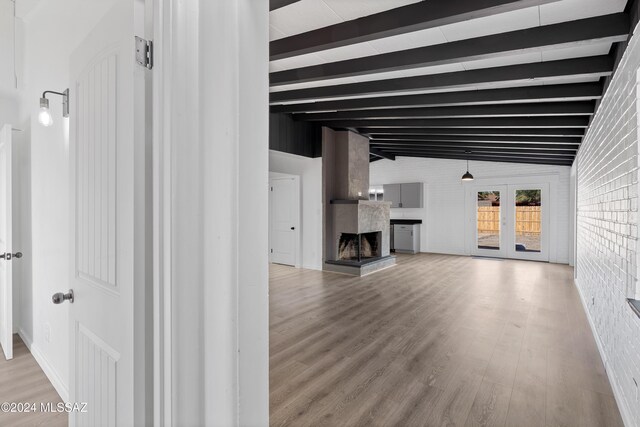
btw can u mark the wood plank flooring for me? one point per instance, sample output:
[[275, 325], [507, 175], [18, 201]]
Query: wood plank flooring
[[22, 380], [436, 341]]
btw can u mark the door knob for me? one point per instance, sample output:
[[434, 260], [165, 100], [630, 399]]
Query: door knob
[[9, 255], [293, 228], [59, 297]]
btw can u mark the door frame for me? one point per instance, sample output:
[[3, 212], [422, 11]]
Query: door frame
[[7, 305], [298, 215], [553, 182]]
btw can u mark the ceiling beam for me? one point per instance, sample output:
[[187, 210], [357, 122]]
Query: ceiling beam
[[484, 150], [582, 108], [277, 4], [601, 29], [551, 93], [406, 19], [499, 159], [594, 66], [556, 132], [473, 145], [380, 153], [496, 122], [481, 139]]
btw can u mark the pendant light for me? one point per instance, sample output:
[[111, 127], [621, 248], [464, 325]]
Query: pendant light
[[467, 176]]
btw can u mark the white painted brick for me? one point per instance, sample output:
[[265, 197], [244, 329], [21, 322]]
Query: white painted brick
[[607, 229]]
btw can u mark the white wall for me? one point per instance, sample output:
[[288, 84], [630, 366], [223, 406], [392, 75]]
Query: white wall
[[52, 30], [310, 172], [607, 231], [443, 227], [7, 65]]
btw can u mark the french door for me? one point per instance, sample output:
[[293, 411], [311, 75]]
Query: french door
[[511, 221]]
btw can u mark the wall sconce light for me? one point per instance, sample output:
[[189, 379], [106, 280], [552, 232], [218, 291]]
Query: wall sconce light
[[44, 116]]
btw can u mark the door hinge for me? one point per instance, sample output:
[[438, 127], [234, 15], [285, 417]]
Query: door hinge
[[271, 188], [271, 250], [144, 52]]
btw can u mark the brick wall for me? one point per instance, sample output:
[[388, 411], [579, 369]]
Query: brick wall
[[607, 230]]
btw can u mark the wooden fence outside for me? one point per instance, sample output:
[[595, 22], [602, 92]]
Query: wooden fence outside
[[528, 219]]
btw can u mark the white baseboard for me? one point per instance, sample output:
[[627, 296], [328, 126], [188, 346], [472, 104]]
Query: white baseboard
[[48, 370], [617, 392]]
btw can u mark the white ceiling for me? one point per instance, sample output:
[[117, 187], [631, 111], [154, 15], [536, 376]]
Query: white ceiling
[[307, 15]]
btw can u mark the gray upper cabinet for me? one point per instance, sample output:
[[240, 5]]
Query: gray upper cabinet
[[392, 193], [411, 195], [404, 195]]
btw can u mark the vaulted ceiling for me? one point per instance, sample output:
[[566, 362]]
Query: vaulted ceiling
[[497, 80]]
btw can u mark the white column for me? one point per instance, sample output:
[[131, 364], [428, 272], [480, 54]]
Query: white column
[[212, 202]]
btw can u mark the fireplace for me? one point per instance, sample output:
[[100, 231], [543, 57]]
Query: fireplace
[[356, 229], [359, 247]]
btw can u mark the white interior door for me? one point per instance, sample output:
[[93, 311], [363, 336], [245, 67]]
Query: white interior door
[[105, 260], [285, 220], [6, 275], [490, 221]]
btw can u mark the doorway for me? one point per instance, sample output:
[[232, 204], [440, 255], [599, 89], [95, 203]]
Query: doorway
[[284, 233], [511, 221]]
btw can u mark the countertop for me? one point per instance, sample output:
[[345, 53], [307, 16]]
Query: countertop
[[406, 221]]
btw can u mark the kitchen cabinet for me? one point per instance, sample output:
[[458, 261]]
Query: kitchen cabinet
[[406, 238], [409, 195], [392, 193]]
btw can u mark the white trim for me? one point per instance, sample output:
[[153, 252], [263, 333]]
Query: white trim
[[617, 391], [161, 160], [54, 377]]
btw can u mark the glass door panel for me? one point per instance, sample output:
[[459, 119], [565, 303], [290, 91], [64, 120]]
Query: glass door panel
[[489, 221], [528, 206], [528, 222]]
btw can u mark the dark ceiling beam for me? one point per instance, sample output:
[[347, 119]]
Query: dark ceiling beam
[[582, 108], [499, 159], [498, 122], [502, 151], [594, 66], [494, 138], [474, 145], [277, 4], [380, 153], [601, 29], [551, 93], [401, 20], [557, 132], [528, 132]]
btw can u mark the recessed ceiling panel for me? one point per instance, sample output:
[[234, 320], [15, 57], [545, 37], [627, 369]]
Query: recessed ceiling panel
[[495, 24], [571, 10]]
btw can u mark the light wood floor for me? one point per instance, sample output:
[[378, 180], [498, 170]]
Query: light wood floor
[[437, 340], [22, 380]]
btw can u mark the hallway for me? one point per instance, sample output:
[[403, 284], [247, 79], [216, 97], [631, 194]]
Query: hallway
[[435, 340], [22, 381]]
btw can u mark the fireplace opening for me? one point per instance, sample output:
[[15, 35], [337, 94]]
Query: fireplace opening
[[359, 247]]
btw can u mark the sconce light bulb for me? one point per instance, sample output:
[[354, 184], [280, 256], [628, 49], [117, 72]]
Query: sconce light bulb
[[44, 117]]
